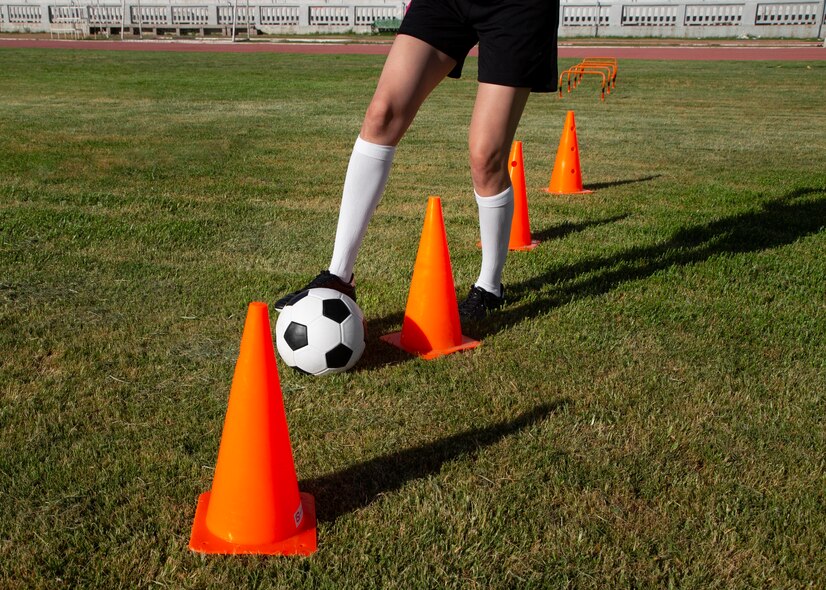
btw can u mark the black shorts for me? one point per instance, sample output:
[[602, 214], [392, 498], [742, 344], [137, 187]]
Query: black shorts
[[517, 38]]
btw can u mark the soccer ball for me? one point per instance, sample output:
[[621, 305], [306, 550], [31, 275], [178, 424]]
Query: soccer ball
[[321, 331]]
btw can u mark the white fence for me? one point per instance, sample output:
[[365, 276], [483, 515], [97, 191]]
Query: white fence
[[578, 18], [689, 19]]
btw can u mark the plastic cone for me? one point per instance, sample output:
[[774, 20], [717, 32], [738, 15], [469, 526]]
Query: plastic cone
[[254, 505], [521, 225], [566, 178], [431, 320]]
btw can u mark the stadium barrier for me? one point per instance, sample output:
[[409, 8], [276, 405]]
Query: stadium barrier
[[578, 18]]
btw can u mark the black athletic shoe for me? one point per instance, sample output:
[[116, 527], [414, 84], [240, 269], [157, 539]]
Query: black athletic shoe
[[480, 303], [326, 280]]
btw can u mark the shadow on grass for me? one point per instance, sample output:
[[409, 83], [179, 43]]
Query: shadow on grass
[[557, 232], [777, 222], [601, 185], [379, 354], [357, 486]]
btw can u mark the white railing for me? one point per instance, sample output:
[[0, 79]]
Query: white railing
[[327, 16], [367, 15], [584, 16], [610, 18], [67, 14], [149, 15], [242, 16], [642, 15], [25, 13], [105, 15], [710, 15], [280, 16], [788, 14], [190, 15]]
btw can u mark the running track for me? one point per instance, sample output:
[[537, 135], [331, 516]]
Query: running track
[[657, 53]]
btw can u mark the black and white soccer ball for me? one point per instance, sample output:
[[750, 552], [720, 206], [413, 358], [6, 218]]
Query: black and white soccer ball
[[321, 331]]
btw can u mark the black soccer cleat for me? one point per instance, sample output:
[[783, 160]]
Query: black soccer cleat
[[479, 303], [324, 280]]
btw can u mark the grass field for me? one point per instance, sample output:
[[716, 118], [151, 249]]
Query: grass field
[[647, 412]]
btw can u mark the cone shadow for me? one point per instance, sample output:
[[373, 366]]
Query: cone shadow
[[595, 186], [358, 486]]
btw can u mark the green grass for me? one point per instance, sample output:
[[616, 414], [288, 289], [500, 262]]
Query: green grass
[[647, 412]]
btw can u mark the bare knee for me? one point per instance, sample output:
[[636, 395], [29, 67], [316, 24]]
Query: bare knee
[[489, 169], [384, 123]]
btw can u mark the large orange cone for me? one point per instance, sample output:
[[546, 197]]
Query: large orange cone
[[254, 505], [521, 225], [431, 320], [566, 178]]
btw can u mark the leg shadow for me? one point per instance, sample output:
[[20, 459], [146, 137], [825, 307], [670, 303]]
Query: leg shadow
[[558, 232], [775, 223], [380, 354]]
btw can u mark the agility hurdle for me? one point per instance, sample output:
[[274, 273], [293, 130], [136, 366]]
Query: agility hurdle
[[604, 67]]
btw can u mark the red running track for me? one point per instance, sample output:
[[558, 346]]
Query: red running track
[[654, 53]]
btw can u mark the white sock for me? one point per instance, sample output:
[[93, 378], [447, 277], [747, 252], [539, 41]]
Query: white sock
[[363, 187], [495, 216]]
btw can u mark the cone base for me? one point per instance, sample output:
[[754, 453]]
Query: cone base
[[302, 543], [396, 340], [524, 247], [582, 192]]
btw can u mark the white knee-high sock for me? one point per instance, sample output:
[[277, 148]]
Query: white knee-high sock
[[495, 216], [363, 187]]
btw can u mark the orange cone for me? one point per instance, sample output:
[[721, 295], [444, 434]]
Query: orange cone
[[254, 505], [521, 225], [566, 178], [431, 320]]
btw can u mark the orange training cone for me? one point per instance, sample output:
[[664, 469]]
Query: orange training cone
[[520, 226], [566, 178], [254, 505], [431, 320]]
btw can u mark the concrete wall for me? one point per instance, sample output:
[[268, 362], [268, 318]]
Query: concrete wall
[[579, 18]]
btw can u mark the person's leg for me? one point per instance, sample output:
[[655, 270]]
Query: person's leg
[[412, 70], [517, 55], [496, 115]]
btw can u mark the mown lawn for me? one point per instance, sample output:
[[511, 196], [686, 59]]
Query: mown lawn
[[646, 412]]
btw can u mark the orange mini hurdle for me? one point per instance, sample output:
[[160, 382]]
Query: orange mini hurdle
[[605, 67]]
